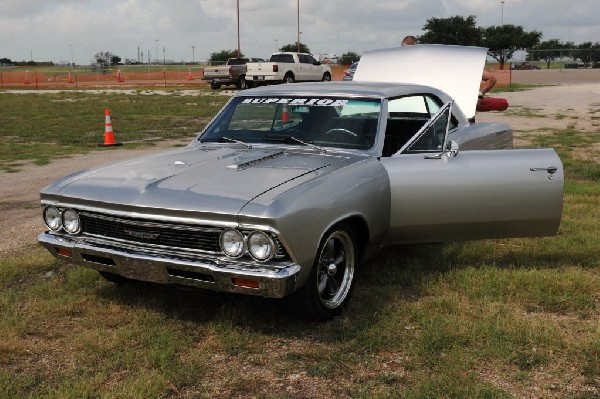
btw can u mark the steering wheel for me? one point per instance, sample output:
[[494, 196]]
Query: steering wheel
[[341, 130]]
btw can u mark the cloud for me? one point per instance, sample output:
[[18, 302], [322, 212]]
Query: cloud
[[47, 28]]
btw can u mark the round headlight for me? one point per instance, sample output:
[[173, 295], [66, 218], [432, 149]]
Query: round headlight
[[232, 243], [261, 246], [70, 221], [52, 218]]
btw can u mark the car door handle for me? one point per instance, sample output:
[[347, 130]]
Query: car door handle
[[550, 169]]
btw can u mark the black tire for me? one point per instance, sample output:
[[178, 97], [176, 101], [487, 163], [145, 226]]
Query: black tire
[[331, 279], [215, 86], [288, 78], [326, 77], [115, 278], [241, 84]]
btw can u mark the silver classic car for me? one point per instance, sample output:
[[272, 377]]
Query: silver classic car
[[291, 187]]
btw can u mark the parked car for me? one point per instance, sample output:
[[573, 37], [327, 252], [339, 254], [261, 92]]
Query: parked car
[[349, 73], [527, 66], [287, 68], [232, 73], [290, 188]]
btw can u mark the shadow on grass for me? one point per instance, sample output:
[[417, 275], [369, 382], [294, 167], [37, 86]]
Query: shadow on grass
[[396, 275]]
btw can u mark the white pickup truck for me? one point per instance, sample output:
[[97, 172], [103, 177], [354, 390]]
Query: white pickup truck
[[287, 68]]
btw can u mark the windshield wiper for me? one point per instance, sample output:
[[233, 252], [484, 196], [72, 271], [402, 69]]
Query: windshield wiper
[[311, 145], [292, 139], [224, 139]]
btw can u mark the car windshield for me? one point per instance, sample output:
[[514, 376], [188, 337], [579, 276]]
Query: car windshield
[[322, 121]]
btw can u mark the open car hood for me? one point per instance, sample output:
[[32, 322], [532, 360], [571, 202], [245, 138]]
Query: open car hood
[[455, 70]]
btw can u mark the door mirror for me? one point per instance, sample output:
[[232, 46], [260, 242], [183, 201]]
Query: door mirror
[[452, 148]]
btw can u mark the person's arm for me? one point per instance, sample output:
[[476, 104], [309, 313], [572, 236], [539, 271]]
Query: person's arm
[[488, 82]]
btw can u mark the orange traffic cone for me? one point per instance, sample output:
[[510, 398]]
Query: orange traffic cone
[[284, 114], [109, 137], [120, 77], [70, 79], [27, 81], [190, 77]]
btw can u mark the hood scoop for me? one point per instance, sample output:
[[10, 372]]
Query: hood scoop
[[253, 158]]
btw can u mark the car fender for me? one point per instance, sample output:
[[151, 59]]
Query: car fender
[[301, 211]]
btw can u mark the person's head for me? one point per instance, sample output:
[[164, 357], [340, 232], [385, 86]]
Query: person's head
[[409, 41]]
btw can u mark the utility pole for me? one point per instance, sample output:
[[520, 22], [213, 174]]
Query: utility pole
[[298, 41], [193, 55], [238, 28]]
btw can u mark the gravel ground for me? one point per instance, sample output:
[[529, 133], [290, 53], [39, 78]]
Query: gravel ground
[[574, 93]]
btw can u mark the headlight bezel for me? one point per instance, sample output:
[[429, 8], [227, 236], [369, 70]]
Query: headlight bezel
[[240, 243], [57, 217], [261, 235], [65, 213]]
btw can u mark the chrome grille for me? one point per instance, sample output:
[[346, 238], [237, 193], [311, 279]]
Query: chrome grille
[[152, 233]]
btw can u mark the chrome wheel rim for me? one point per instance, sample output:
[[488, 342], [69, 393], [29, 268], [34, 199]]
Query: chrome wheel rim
[[336, 269]]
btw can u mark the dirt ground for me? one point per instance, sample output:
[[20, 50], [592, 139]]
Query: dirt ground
[[572, 93]]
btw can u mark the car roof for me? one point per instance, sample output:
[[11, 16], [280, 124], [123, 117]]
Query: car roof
[[344, 89]]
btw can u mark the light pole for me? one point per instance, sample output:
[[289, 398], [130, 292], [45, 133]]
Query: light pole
[[238, 28], [72, 55], [193, 55], [156, 51], [502, 19], [164, 58], [298, 6]]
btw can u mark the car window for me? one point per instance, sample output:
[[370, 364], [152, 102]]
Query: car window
[[306, 59], [323, 121], [238, 61], [283, 58], [432, 136], [422, 105]]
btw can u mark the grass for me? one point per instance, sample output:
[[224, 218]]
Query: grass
[[41, 127], [485, 319]]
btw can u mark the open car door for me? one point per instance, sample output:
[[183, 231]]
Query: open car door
[[439, 193]]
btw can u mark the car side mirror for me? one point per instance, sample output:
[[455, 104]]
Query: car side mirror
[[452, 149], [317, 63]]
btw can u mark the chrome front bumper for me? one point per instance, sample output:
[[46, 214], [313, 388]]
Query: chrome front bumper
[[217, 274]]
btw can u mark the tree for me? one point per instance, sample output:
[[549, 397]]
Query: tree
[[454, 30], [549, 50], [587, 52], [223, 55], [105, 58], [115, 59], [503, 40], [292, 47], [349, 57]]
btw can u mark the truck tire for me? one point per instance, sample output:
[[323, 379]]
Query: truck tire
[[215, 86], [288, 78], [326, 77], [241, 84]]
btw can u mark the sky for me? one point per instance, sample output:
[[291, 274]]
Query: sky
[[186, 30]]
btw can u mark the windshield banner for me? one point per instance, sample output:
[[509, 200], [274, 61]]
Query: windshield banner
[[319, 102]]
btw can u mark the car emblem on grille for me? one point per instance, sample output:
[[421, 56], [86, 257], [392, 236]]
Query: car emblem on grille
[[139, 234]]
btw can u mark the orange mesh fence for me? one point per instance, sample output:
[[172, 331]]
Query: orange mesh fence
[[182, 75], [27, 78]]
